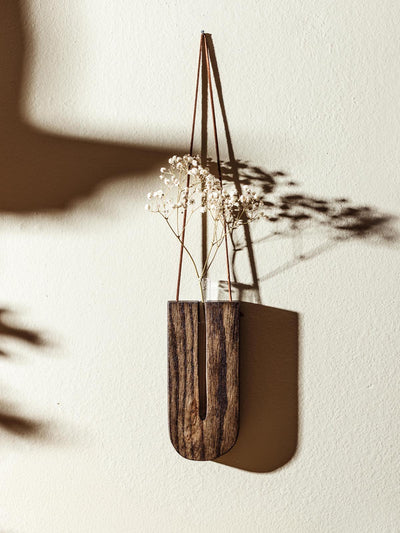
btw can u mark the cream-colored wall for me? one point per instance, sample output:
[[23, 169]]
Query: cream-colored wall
[[104, 92]]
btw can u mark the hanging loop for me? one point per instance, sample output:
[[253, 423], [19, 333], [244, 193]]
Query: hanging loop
[[204, 50]]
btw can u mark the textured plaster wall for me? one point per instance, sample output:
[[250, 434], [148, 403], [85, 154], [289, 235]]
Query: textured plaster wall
[[94, 96]]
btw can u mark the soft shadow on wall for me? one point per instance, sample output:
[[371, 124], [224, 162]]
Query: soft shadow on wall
[[44, 172], [41, 172], [10, 419], [269, 414]]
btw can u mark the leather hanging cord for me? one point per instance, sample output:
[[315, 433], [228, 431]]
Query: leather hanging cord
[[188, 176], [203, 44], [207, 54]]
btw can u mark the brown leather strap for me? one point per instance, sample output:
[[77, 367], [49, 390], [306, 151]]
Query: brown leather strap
[[207, 54], [188, 176], [203, 45]]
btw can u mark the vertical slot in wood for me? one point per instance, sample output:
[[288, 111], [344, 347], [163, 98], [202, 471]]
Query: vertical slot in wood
[[202, 362]]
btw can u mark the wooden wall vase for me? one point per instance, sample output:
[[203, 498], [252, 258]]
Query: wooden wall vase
[[196, 437]]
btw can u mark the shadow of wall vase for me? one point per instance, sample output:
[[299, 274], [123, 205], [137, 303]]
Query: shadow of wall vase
[[203, 354]]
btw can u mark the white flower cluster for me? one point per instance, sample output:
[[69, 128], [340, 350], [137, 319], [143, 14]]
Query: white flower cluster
[[188, 187], [203, 193], [237, 209], [176, 195]]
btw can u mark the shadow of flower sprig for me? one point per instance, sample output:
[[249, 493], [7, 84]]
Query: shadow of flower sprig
[[10, 419], [31, 337], [289, 212], [19, 425], [299, 210]]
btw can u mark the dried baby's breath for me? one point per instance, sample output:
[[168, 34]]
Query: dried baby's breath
[[225, 206]]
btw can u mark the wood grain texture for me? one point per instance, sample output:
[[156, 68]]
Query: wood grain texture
[[193, 437]]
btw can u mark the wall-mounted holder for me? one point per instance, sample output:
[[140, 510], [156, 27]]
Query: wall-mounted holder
[[193, 435], [203, 345]]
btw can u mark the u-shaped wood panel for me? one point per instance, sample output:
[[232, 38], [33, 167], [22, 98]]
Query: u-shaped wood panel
[[194, 437]]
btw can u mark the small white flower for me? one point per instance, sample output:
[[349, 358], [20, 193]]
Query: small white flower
[[147, 207]]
